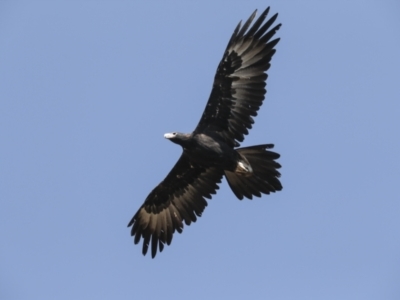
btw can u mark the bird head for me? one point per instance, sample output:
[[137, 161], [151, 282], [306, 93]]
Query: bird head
[[177, 137]]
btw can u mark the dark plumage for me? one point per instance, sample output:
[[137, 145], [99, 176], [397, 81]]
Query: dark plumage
[[208, 152]]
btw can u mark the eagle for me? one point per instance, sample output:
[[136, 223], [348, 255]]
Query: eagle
[[211, 150]]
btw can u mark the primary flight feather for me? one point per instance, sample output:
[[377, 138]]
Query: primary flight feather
[[209, 151]]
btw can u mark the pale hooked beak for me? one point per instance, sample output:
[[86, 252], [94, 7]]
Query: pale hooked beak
[[169, 135]]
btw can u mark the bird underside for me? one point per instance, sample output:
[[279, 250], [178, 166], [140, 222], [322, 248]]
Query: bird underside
[[210, 151]]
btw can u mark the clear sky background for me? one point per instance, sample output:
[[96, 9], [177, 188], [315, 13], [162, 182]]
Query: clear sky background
[[87, 90]]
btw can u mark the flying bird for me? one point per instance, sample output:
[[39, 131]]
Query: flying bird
[[210, 151]]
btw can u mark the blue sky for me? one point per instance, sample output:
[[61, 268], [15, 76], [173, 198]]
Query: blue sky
[[87, 90]]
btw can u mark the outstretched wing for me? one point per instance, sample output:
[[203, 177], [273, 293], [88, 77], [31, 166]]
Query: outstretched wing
[[239, 84], [180, 197]]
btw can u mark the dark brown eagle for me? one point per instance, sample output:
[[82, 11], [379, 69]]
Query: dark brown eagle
[[209, 151]]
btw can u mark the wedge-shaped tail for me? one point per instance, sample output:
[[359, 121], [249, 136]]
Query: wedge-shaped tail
[[263, 179]]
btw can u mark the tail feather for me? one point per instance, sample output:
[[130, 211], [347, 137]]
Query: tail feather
[[264, 178]]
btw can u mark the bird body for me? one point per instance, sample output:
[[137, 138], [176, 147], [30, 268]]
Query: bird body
[[211, 150], [206, 149]]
